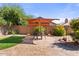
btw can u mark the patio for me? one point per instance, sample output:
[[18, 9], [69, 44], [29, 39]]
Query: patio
[[42, 47]]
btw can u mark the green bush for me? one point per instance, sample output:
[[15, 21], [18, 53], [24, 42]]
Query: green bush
[[38, 29], [59, 31], [76, 34], [13, 32], [75, 26], [17, 31]]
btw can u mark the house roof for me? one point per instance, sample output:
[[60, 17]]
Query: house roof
[[41, 18]]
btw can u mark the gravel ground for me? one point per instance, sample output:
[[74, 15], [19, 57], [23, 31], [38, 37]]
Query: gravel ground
[[44, 47]]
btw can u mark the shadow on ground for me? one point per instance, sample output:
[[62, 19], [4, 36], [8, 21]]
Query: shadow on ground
[[29, 40], [67, 46]]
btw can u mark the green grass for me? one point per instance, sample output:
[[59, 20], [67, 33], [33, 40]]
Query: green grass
[[7, 42]]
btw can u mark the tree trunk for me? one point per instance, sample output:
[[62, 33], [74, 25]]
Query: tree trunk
[[1, 30]]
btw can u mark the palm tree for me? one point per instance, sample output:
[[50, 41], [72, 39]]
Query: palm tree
[[13, 15]]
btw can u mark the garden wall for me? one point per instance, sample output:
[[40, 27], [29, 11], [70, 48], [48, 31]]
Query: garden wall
[[29, 29]]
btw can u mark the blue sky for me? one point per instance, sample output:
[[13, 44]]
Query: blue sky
[[51, 10]]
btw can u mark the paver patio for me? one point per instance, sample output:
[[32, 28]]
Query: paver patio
[[44, 47]]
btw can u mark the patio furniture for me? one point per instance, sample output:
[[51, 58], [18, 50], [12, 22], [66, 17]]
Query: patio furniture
[[37, 35]]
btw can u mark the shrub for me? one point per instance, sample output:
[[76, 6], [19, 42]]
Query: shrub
[[76, 34], [38, 29], [75, 26], [13, 32], [17, 31], [59, 31]]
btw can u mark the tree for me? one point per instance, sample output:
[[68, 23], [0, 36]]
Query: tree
[[13, 15], [2, 23], [75, 26]]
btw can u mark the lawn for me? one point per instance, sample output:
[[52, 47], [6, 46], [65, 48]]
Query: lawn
[[6, 42]]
